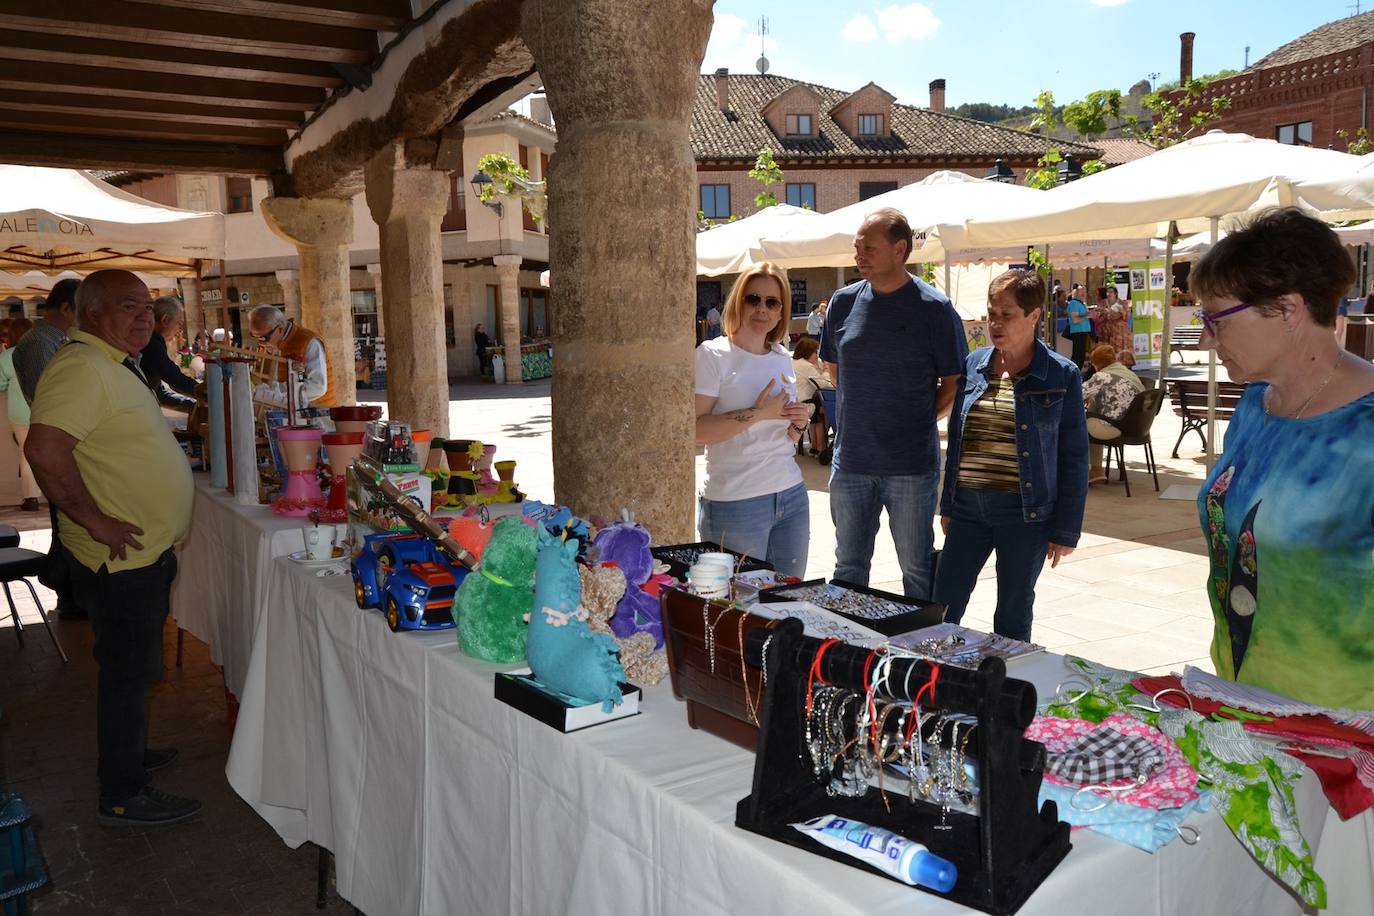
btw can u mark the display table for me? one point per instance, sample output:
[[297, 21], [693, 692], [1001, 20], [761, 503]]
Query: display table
[[221, 583], [389, 750]]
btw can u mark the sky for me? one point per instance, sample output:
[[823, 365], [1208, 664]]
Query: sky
[[1004, 51]]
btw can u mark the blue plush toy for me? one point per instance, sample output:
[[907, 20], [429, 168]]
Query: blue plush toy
[[626, 545], [564, 654]]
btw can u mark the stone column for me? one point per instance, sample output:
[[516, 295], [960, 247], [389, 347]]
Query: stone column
[[408, 205], [321, 229], [375, 272], [290, 283], [622, 252], [508, 270]]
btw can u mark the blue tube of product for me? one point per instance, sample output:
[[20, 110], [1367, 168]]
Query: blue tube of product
[[903, 859]]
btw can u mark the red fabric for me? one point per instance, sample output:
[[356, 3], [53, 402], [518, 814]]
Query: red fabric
[[1343, 788]]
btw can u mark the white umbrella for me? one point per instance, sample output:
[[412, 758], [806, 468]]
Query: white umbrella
[[1215, 175], [731, 247], [1340, 197]]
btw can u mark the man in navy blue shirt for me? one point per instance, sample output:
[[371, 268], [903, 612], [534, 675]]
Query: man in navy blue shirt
[[895, 348]]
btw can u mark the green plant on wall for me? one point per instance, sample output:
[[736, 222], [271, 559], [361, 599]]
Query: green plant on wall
[[510, 179], [1358, 146], [767, 173]]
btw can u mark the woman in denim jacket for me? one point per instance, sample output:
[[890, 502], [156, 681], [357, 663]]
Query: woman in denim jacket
[[1016, 471]]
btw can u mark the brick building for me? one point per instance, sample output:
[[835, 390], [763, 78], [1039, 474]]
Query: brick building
[[1306, 90]]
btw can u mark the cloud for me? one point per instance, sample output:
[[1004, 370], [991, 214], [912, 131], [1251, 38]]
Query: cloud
[[1108, 2], [914, 21], [860, 29]]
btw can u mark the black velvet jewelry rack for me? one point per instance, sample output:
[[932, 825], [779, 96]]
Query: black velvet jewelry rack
[[1003, 852]]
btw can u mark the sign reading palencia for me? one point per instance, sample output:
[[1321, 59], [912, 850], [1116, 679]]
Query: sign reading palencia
[[15, 222]]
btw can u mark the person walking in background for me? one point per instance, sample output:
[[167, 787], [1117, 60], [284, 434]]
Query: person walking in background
[[1016, 473], [1080, 326], [750, 420], [482, 344], [895, 348], [816, 320], [19, 415]]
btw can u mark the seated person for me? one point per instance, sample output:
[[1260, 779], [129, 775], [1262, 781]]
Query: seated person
[[1107, 395], [811, 378]]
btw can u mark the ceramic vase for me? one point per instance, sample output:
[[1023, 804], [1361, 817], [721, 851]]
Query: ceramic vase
[[456, 450], [505, 470], [436, 460], [300, 447], [420, 440], [486, 483], [354, 419], [341, 448]]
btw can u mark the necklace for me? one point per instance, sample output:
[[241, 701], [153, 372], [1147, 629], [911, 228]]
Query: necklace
[[1316, 391]]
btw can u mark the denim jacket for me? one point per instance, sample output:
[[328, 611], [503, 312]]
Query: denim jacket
[[1051, 437]]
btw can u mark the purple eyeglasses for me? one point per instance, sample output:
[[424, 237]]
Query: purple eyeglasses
[[1209, 321]]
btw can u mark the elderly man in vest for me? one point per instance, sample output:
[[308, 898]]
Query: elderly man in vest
[[276, 333], [105, 456]]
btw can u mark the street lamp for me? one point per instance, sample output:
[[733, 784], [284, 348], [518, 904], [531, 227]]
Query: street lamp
[[1000, 172], [1069, 170], [480, 182]]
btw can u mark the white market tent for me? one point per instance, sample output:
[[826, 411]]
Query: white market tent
[[1340, 197], [731, 247], [56, 220]]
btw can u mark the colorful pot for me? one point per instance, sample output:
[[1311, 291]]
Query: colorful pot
[[483, 468], [341, 448], [420, 440], [456, 450], [505, 470], [354, 419], [300, 448], [436, 460]]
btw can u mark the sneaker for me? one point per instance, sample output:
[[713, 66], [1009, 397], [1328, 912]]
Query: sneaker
[[156, 758], [149, 808], [30, 504]]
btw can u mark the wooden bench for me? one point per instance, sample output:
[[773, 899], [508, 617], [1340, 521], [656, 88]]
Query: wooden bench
[[1184, 337], [1189, 397]]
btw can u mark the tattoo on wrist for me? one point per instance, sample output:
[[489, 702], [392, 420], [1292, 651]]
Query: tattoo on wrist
[[743, 415]]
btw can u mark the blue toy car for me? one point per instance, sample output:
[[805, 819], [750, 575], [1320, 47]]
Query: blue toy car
[[409, 578]]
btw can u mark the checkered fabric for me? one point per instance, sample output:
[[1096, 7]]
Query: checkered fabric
[[1105, 755]]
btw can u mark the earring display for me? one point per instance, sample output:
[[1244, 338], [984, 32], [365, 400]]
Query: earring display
[[885, 612]]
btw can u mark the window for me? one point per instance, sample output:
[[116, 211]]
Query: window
[[534, 313], [869, 189], [870, 125], [456, 219], [1299, 134], [238, 192], [799, 125], [799, 306], [802, 195], [715, 201]]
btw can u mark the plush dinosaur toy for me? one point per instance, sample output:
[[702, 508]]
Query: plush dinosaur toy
[[627, 546], [565, 655], [494, 602], [602, 589]]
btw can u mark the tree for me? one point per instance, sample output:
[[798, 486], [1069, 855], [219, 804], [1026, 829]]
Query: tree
[[766, 173], [1360, 145], [1178, 114], [1089, 115]]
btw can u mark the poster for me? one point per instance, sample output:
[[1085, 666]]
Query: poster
[[1147, 313]]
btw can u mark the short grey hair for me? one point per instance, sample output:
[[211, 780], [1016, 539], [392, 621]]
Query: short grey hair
[[266, 315], [90, 295], [164, 306]]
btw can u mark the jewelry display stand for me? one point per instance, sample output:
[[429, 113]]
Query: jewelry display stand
[[1003, 852]]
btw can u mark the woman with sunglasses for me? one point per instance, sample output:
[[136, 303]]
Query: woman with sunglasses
[[754, 501], [1288, 511]]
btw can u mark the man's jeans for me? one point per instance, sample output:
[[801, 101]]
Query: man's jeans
[[776, 527], [982, 521], [856, 501], [126, 621]]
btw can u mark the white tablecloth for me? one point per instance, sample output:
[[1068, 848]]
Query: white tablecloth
[[389, 750], [222, 573]]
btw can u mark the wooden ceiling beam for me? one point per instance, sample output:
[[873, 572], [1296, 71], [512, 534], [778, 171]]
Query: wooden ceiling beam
[[71, 49], [148, 109], [137, 129], [86, 152], [377, 15], [145, 23], [107, 81]]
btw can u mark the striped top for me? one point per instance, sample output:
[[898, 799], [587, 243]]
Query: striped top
[[988, 459]]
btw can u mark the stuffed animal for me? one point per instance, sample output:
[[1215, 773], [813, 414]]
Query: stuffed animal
[[565, 655], [602, 589], [627, 546], [471, 531], [494, 602]]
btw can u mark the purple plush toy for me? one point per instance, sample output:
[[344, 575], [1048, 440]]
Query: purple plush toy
[[627, 546]]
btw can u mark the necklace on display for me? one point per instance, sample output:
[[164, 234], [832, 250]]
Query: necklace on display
[[1340, 355]]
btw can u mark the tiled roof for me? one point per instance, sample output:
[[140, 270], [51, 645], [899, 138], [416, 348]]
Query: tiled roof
[[511, 114], [1341, 35], [1118, 150], [917, 133]]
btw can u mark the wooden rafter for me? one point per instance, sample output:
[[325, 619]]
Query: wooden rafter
[[378, 15]]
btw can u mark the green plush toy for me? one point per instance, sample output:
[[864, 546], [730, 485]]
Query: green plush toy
[[494, 603]]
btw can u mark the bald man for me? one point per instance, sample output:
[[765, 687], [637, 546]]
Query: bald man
[[105, 456], [276, 333]]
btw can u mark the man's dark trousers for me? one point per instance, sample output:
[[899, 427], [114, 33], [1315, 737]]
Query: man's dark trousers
[[128, 609]]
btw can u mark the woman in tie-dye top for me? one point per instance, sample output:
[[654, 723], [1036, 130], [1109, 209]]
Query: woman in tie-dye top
[[1288, 510]]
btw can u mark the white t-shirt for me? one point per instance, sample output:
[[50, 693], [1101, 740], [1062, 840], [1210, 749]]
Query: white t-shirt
[[761, 459]]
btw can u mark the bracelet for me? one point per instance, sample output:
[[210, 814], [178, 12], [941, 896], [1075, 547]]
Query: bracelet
[[797, 429]]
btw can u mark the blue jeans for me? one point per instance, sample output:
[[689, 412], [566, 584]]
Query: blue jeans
[[856, 502], [982, 521], [776, 527]]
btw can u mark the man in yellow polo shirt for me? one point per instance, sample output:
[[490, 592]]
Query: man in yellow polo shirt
[[105, 456]]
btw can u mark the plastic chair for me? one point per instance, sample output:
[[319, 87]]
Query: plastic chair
[[9, 536], [17, 564], [830, 401], [1134, 426]]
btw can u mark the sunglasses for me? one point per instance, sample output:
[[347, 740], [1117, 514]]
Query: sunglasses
[[773, 303], [265, 338], [1209, 320]]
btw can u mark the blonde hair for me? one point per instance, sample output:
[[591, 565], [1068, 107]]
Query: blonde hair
[[733, 317]]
